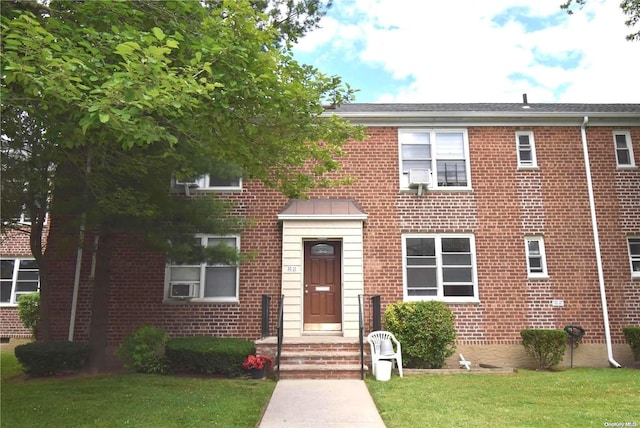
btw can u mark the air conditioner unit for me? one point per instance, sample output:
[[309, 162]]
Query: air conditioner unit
[[184, 291], [191, 182], [419, 177]]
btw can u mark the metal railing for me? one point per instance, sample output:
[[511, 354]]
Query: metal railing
[[280, 334], [376, 318]]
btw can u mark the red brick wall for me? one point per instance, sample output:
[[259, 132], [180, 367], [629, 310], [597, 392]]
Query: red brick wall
[[504, 206]]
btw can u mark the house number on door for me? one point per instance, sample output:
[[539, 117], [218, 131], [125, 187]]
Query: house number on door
[[292, 268]]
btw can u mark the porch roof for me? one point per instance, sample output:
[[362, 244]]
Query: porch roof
[[322, 209]]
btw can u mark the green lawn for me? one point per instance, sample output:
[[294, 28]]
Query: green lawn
[[570, 398], [129, 400]]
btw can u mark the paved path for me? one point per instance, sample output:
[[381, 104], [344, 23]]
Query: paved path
[[321, 403]]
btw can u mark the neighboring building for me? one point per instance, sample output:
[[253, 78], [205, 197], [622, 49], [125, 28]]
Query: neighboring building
[[18, 275], [487, 207]]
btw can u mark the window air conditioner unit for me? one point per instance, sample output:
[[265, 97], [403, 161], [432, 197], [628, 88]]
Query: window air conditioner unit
[[419, 177], [190, 182], [184, 291]]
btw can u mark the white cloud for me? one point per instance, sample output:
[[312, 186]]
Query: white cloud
[[455, 52]]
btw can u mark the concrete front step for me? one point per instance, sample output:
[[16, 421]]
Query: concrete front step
[[316, 357], [316, 371]]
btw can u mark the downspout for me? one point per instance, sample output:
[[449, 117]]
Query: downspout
[[596, 242], [76, 276]]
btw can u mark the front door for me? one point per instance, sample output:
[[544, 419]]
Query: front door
[[322, 285]]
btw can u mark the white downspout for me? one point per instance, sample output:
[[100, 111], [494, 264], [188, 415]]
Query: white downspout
[[596, 241]]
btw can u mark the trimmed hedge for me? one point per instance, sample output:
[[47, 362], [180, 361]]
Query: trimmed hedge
[[49, 358], [144, 349], [426, 331], [211, 355], [29, 310], [632, 334], [545, 346]]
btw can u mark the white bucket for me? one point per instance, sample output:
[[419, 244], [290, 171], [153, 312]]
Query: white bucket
[[383, 370]]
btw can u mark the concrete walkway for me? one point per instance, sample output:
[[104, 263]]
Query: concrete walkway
[[310, 403]]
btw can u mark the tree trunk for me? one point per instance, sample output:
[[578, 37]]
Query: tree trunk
[[100, 305], [43, 330]]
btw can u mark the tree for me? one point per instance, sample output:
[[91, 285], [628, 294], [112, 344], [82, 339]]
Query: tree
[[129, 93], [631, 8]]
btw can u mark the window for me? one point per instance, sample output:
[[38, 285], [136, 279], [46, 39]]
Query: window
[[439, 267], [218, 282], [536, 263], [444, 152], [624, 149], [634, 256], [526, 150], [18, 277], [221, 178]]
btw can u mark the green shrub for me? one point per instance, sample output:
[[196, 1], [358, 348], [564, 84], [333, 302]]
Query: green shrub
[[426, 331], [29, 310], [632, 334], [48, 358], [211, 355], [545, 346], [144, 350]]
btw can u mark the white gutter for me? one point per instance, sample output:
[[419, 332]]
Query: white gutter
[[76, 276], [596, 241]]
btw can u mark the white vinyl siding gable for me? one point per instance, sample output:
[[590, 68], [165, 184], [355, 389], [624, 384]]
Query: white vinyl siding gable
[[445, 152], [624, 149], [526, 149]]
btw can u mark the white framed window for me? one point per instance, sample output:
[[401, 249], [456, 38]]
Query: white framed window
[[526, 149], [443, 152], [536, 258], [439, 267], [624, 149], [205, 282], [18, 276], [211, 183], [634, 256]]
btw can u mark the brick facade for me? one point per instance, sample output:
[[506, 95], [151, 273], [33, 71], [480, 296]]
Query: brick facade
[[505, 205]]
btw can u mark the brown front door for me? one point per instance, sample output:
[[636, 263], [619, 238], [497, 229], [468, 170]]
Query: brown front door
[[322, 285]]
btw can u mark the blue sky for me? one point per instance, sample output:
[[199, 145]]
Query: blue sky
[[472, 51]]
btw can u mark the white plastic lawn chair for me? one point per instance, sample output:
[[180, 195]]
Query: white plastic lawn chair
[[385, 346]]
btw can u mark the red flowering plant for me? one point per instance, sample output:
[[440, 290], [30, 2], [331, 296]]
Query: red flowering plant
[[257, 362]]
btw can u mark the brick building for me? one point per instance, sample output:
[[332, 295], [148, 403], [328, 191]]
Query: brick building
[[487, 207]]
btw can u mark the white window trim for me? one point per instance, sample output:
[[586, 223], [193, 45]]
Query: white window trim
[[202, 183], [543, 258], [534, 159], [434, 169], [13, 300], [203, 238], [440, 292], [627, 137], [633, 257]]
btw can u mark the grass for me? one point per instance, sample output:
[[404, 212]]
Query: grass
[[129, 400], [570, 398]]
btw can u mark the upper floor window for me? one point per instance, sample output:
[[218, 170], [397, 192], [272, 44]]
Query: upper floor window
[[202, 281], [536, 262], [526, 150], [439, 267], [17, 277], [624, 149], [211, 182], [634, 256], [443, 154]]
